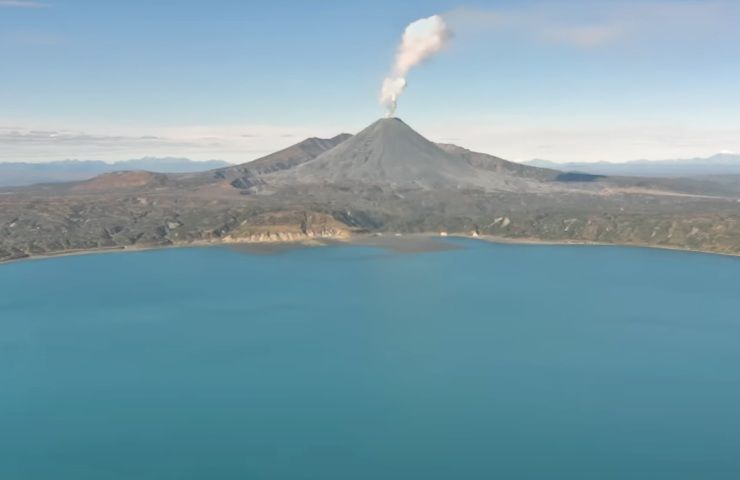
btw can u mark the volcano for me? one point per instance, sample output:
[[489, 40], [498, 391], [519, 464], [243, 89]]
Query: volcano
[[390, 153]]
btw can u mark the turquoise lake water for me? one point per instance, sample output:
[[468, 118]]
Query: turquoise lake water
[[487, 362]]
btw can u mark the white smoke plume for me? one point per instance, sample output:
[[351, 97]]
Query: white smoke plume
[[421, 40]]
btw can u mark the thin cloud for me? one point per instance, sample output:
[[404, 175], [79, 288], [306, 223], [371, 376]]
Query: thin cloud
[[585, 37], [22, 4], [579, 141], [44, 142], [600, 25], [54, 137]]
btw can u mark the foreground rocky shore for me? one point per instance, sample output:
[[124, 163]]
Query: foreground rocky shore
[[266, 241], [41, 225]]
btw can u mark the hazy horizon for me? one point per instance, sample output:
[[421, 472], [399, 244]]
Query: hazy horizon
[[207, 160]]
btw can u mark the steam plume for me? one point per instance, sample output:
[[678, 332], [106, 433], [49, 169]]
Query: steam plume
[[421, 40]]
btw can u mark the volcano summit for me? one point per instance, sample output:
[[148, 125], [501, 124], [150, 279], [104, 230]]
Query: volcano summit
[[386, 178], [391, 154]]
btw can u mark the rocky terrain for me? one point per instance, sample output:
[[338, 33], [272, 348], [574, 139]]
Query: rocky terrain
[[387, 178]]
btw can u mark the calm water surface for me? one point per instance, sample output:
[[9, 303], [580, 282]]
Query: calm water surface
[[492, 361]]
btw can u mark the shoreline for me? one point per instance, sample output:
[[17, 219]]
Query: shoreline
[[587, 243], [404, 244]]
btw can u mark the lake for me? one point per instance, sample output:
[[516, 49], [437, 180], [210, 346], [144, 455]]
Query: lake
[[349, 362]]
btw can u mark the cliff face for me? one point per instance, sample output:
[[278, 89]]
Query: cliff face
[[287, 227]]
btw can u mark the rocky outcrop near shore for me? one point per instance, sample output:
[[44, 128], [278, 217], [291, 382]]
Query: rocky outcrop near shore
[[287, 227]]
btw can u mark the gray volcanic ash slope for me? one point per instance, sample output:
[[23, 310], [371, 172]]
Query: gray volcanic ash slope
[[387, 178], [247, 174], [292, 156], [388, 153], [482, 161]]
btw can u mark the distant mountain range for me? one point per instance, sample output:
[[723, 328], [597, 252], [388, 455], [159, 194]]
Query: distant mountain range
[[720, 164], [20, 174]]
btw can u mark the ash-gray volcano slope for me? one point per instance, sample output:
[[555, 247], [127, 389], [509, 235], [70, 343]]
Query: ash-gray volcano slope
[[387, 178], [391, 155]]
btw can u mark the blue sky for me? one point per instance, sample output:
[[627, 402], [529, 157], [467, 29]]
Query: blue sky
[[562, 80]]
